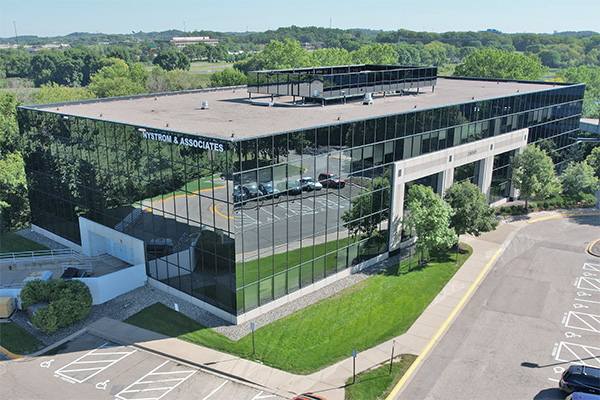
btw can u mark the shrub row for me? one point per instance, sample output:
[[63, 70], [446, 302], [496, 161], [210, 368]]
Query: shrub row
[[554, 203], [69, 302]]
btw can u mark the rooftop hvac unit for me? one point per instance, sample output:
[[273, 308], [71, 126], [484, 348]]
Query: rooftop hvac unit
[[368, 99], [204, 105]]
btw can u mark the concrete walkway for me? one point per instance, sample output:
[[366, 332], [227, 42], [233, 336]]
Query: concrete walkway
[[329, 382]]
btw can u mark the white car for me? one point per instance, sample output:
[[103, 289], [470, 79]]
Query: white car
[[309, 184]]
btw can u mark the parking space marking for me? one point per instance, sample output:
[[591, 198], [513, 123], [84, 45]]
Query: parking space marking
[[145, 385], [591, 267], [98, 360], [578, 354], [215, 391], [583, 321], [592, 284]]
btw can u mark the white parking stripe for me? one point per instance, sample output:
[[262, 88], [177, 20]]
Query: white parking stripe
[[583, 321], [145, 381], [216, 390], [79, 374], [589, 284], [586, 355]]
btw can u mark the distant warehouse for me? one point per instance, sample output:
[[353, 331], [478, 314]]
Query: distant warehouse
[[183, 41], [238, 199]]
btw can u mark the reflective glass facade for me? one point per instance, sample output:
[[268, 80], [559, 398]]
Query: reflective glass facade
[[196, 201]]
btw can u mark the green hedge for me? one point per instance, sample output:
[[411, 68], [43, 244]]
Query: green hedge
[[69, 302]]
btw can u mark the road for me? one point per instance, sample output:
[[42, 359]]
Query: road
[[536, 312]]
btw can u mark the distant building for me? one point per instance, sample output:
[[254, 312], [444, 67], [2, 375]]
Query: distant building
[[181, 42]]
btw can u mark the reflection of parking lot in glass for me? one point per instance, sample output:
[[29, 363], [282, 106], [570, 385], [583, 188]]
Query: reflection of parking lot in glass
[[281, 210]]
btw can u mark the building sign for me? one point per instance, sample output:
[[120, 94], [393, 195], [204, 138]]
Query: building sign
[[183, 141]]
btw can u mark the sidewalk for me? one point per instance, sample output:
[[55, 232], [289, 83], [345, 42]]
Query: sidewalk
[[330, 381]]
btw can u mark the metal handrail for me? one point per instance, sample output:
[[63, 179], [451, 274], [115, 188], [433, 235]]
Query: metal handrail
[[38, 255], [47, 255]]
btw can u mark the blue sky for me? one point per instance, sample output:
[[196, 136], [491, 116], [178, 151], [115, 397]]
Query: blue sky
[[61, 17]]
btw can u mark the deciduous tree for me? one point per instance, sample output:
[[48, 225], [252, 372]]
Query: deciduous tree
[[533, 174], [472, 214], [494, 63], [429, 216], [579, 178]]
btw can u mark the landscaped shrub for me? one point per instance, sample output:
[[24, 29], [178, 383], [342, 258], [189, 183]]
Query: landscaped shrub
[[70, 301]]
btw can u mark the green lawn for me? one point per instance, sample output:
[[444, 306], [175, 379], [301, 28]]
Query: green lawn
[[378, 383], [17, 340], [11, 242], [372, 311], [203, 67]]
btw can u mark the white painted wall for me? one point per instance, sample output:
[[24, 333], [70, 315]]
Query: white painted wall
[[98, 239], [107, 287]]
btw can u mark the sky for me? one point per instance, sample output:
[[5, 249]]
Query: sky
[[60, 17]]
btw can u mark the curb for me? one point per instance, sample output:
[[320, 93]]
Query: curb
[[591, 250], [10, 354]]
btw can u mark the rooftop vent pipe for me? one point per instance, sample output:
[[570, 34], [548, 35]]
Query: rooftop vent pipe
[[204, 105]]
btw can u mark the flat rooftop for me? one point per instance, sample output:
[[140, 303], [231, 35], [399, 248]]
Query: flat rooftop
[[232, 112]]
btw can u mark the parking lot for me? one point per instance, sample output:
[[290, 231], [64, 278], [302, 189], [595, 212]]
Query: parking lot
[[91, 367], [536, 313]]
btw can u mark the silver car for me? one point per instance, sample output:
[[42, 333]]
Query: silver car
[[310, 184]]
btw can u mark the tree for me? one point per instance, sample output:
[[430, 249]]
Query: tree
[[170, 60], [593, 159], [429, 216], [494, 63], [55, 93], [228, 77], [579, 178], [472, 214], [533, 174], [118, 79], [364, 215]]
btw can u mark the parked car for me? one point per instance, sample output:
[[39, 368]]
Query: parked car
[[253, 192], [268, 190], [310, 184], [240, 194], [580, 378], [290, 187], [308, 396], [329, 179], [582, 396]]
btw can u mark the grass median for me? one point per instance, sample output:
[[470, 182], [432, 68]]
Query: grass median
[[370, 312]]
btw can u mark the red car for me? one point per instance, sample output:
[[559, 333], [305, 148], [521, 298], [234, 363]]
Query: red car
[[308, 396], [329, 179]]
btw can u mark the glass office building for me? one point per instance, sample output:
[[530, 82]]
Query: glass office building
[[242, 203]]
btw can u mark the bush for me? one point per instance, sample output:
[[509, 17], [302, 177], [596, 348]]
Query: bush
[[45, 319], [70, 301]]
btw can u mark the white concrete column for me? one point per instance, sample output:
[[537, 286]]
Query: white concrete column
[[486, 167], [397, 207], [447, 178]]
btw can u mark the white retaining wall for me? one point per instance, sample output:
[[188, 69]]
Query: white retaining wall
[[107, 287]]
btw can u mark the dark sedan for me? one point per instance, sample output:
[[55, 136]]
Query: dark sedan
[[580, 378], [268, 190]]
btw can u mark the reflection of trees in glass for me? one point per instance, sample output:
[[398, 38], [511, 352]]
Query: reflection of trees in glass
[[369, 208]]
